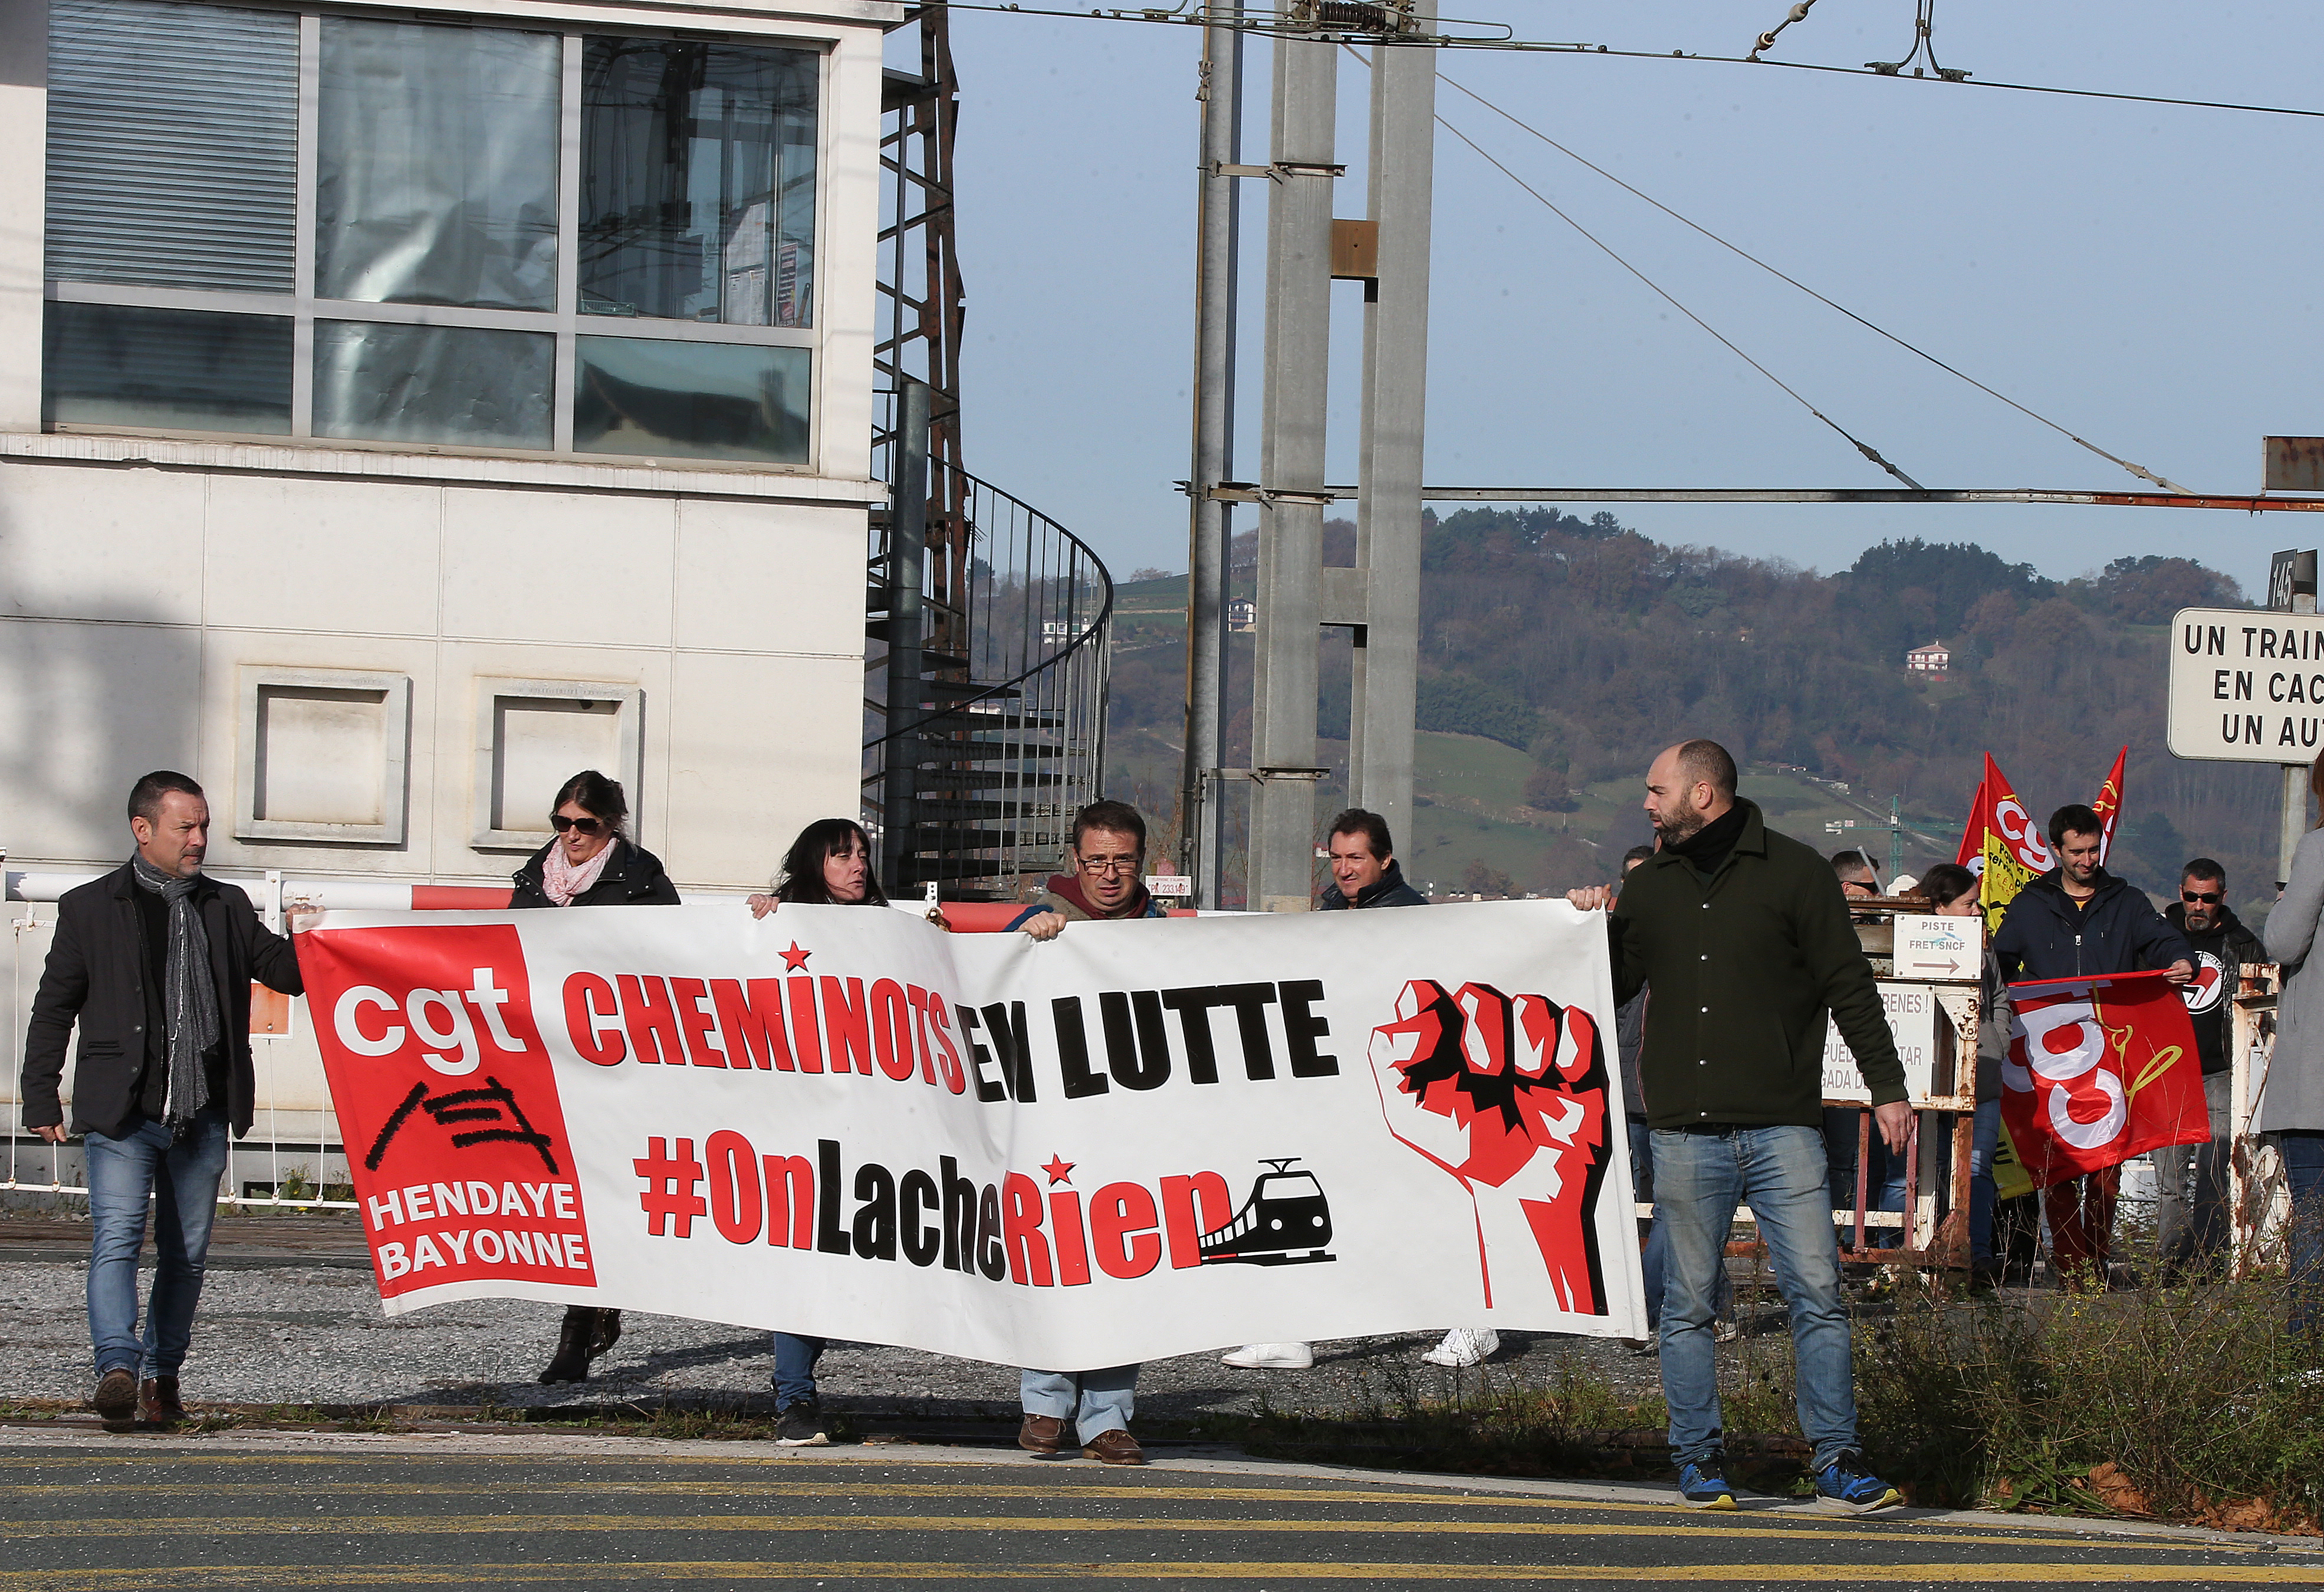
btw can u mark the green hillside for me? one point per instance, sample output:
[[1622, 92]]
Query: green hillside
[[1560, 654]]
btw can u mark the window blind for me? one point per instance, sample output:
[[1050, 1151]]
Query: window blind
[[172, 144]]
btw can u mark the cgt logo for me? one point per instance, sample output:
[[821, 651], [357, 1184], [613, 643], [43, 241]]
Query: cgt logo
[[438, 1018], [443, 1088], [2022, 835]]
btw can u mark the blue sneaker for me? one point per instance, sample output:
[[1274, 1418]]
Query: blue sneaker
[[1703, 1487], [1846, 1486]]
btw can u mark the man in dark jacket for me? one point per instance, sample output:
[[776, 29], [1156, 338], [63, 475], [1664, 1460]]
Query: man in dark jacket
[[154, 961], [1364, 866], [2193, 1221], [1365, 874], [1744, 935], [2076, 921]]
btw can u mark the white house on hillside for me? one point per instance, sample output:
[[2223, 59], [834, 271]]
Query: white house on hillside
[[1936, 659]]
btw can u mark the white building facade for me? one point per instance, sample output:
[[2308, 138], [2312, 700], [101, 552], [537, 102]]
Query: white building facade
[[402, 411]]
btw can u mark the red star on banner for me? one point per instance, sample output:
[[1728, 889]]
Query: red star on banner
[[1060, 1169], [795, 959]]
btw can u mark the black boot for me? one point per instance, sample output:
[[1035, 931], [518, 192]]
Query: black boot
[[571, 1362], [606, 1333]]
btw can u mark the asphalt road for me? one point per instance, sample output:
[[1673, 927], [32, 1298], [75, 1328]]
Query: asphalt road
[[84, 1515]]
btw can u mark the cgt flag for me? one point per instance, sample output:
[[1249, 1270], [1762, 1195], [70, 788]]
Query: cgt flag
[[2100, 1070]]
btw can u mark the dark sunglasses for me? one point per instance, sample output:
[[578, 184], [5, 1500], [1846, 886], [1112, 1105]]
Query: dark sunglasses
[[2209, 898], [561, 824]]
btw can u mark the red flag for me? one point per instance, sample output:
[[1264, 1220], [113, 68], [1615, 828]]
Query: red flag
[[2100, 1070], [1972, 846], [2109, 803], [2010, 849]]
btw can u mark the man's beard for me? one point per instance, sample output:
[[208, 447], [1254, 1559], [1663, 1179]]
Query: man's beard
[[1680, 821]]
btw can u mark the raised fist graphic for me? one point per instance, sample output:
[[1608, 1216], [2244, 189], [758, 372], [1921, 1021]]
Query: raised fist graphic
[[1506, 1093]]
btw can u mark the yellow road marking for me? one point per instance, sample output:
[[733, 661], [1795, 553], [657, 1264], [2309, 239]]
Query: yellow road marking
[[1990, 1574], [1727, 1526]]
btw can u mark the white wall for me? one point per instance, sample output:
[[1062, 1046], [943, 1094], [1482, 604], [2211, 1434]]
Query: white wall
[[131, 596]]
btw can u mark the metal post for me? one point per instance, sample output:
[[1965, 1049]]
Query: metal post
[[2295, 775], [1291, 473], [1384, 708], [1212, 533], [907, 531]]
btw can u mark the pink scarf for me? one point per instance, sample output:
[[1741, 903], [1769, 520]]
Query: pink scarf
[[560, 881]]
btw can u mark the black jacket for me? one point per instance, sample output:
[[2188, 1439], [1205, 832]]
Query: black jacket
[[1389, 891], [2044, 935], [1744, 970], [96, 974], [2219, 956], [632, 877]]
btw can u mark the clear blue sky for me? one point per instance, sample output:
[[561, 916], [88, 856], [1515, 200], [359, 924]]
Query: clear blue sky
[[2145, 275]]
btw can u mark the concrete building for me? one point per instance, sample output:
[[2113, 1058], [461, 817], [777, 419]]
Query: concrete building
[[400, 411], [1936, 659]]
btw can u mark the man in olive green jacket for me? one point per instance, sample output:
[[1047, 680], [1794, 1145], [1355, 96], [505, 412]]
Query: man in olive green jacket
[[1745, 936]]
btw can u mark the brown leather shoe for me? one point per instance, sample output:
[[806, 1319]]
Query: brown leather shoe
[[157, 1402], [1114, 1447], [116, 1398], [1042, 1434]]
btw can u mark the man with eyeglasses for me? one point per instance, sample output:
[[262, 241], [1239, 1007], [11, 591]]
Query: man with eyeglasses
[[2192, 1222], [1108, 858]]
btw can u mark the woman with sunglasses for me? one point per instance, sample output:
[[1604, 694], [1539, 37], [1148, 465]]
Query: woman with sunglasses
[[589, 863], [829, 865]]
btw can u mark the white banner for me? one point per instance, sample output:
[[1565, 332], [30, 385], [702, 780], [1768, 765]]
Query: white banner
[[1139, 1139]]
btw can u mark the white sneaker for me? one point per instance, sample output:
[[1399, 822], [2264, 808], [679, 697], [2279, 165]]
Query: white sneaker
[[1271, 1356], [1464, 1346]]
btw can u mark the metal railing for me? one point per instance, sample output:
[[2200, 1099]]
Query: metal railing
[[1009, 738]]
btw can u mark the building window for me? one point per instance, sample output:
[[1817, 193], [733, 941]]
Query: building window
[[321, 757], [532, 736], [469, 200]]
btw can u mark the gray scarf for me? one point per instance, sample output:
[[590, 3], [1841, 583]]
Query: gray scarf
[[189, 993]]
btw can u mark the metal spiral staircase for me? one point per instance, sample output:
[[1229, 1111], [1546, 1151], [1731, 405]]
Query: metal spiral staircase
[[976, 762], [987, 622]]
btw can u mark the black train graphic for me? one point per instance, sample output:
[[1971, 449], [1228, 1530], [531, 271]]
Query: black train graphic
[[1285, 1221]]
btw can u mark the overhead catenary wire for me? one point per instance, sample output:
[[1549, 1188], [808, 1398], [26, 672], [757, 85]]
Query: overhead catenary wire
[[1866, 448], [2141, 471], [1559, 47]]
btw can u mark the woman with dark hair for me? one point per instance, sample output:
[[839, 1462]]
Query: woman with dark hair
[[829, 865], [2291, 1100], [589, 863]]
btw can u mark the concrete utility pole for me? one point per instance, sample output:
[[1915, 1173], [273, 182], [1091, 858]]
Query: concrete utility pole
[[1291, 475], [1211, 531], [1384, 605]]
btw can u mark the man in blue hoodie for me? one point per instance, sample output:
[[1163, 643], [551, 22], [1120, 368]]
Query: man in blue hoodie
[[2079, 921]]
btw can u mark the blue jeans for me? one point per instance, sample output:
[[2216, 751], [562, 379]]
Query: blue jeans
[[1650, 1265], [2303, 1177], [1700, 1178], [1095, 1402], [181, 1176], [1983, 1146], [795, 1358]]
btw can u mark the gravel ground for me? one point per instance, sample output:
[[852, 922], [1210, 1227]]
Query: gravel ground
[[314, 1334]]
